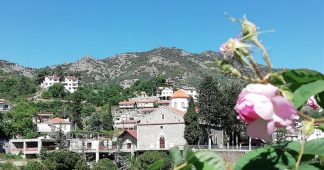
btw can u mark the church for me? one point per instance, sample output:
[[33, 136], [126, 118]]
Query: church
[[161, 129]]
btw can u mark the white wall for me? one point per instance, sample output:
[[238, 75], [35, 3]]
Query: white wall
[[179, 103]]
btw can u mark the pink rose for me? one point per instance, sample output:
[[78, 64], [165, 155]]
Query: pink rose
[[263, 108], [312, 103]]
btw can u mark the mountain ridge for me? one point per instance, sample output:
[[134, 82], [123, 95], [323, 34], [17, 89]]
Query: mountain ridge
[[176, 64]]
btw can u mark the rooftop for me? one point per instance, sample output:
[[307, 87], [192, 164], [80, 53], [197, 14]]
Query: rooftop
[[179, 94]]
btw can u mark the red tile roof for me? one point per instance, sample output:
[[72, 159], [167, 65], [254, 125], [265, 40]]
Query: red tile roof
[[126, 102], [179, 94], [58, 120], [131, 132]]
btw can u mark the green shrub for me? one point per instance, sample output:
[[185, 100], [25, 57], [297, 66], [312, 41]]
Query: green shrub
[[105, 164]]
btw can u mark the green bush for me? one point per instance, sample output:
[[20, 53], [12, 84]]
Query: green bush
[[34, 165], [104, 164], [7, 166], [146, 159], [64, 160]]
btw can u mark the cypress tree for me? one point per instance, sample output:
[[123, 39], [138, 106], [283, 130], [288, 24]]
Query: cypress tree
[[192, 131]]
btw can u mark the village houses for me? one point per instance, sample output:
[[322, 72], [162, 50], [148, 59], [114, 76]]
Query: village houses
[[70, 83]]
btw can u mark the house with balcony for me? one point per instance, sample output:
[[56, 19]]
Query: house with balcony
[[71, 83], [49, 81], [4, 105]]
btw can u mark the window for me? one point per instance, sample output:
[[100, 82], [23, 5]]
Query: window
[[175, 104], [162, 142], [162, 116], [182, 104], [129, 145]]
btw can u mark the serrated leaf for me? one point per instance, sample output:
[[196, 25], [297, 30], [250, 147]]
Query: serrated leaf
[[305, 91], [175, 156], [207, 160], [266, 158]]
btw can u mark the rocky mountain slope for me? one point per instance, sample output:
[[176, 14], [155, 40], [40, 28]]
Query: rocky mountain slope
[[16, 69], [176, 64]]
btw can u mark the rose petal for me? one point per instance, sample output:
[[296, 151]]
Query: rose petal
[[260, 129], [283, 108], [246, 112], [267, 90], [261, 105]]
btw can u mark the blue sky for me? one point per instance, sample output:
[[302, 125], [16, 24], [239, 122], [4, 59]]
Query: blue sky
[[38, 33]]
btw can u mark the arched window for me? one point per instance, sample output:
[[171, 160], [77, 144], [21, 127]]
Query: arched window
[[182, 104], [175, 105], [162, 142]]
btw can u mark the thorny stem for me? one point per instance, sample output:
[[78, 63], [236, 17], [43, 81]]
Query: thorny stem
[[255, 67], [300, 153]]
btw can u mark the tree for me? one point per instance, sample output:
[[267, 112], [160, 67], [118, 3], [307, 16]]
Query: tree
[[64, 160], [60, 138], [233, 127], [106, 118], [149, 157], [192, 131], [209, 114], [57, 90], [87, 110], [76, 108], [18, 120], [104, 164], [94, 122]]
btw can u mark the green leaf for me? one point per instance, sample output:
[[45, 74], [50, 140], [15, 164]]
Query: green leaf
[[266, 158], [320, 99], [176, 156], [305, 91], [313, 147], [309, 167], [187, 153], [156, 165], [301, 76], [207, 160]]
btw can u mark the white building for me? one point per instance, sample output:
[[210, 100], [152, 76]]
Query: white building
[[191, 91], [49, 81], [161, 129], [46, 124], [128, 141], [166, 94], [4, 105], [179, 100], [71, 83]]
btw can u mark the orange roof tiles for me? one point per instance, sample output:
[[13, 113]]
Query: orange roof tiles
[[179, 94], [131, 132], [58, 120]]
